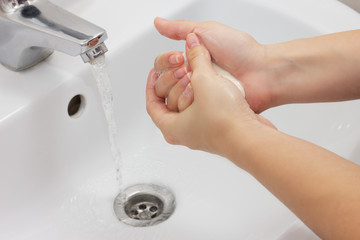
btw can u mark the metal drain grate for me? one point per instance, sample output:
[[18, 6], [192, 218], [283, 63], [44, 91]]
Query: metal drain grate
[[144, 205]]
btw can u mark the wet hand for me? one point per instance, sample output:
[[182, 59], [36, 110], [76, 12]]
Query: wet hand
[[216, 107], [233, 50], [173, 79]]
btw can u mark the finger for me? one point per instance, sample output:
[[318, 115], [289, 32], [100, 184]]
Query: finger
[[168, 60], [186, 98], [176, 29], [198, 56], [168, 79], [155, 105], [176, 92]]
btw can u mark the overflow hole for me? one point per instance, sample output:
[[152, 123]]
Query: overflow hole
[[76, 106]]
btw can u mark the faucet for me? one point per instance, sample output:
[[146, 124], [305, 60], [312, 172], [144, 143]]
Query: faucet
[[30, 30]]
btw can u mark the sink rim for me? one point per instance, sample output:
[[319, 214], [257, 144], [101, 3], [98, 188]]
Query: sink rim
[[70, 71]]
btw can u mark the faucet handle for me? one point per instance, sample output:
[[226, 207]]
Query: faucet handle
[[10, 6]]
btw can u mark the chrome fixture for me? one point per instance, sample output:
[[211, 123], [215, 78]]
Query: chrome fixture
[[144, 205], [32, 29]]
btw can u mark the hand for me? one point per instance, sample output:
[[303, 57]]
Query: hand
[[219, 120], [173, 78], [233, 50], [217, 108]]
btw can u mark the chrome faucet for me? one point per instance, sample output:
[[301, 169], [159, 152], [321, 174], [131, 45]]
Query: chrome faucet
[[30, 30]]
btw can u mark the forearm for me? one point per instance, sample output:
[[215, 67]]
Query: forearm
[[321, 69], [320, 187]]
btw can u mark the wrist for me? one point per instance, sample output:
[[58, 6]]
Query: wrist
[[241, 139], [283, 70], [266, 78]]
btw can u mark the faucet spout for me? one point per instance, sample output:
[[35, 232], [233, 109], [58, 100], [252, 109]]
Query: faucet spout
[[33, 29]]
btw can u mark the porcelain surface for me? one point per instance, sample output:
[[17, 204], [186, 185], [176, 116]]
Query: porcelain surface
[[57, 175]]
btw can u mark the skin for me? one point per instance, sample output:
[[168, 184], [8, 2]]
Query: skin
[[210, 114]]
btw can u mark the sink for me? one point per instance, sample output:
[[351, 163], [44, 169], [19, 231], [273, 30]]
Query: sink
[[57, 174]]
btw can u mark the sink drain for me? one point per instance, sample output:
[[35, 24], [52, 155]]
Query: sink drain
[[144, 205]]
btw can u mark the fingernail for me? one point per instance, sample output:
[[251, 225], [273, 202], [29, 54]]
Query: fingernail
[[180, 73], [154, 77], [192, 40], [174, 59]]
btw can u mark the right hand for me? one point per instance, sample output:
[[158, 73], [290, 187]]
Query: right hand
[[205, 122], [218, 107], [233, 50]]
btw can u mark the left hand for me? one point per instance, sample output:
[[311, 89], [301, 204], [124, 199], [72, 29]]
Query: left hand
[[215, 106]]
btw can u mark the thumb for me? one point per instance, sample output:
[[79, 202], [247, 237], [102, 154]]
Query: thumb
[[198, 56], [177, 29]]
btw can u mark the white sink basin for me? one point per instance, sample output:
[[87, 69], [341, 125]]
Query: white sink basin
[[57, 174]]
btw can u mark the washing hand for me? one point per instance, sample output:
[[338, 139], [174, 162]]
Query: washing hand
[[209, 109], [243, 57], [320, 187], [299, 71]]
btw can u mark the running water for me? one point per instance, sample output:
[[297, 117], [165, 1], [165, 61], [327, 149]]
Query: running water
[[103, 83]]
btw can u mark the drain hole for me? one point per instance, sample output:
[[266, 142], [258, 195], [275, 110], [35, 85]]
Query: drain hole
[[133, 214], [153, 209], [144, 205], [76, 106]]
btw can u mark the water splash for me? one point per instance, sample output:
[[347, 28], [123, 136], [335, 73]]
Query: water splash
[[98, 67]]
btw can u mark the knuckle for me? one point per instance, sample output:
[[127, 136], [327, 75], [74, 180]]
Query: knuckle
[[160, 91], [211, 22], [206, 25], [162, 86], [160, 63], [200, 75], [196, 53]]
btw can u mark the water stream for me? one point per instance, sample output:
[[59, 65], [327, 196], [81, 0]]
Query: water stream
[[98, 67]]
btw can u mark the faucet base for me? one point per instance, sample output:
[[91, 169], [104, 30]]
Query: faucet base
[[30, 32], [33, 57]]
